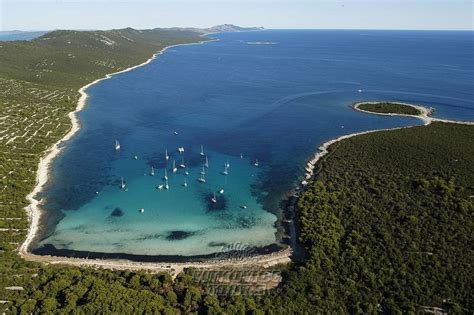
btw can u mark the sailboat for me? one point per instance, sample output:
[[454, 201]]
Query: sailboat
[[226, 170], [202, 150], [117, 145], [206, 164], [214, 199], [166, 175], [152, 173], [167, 157], [256, 162], [174, 167], [182, 165], [186, 172], [160, 186], [241, 155], [185, 183], [221, 191], [203, 172], [122, 186], [166, 185], [201, 178]]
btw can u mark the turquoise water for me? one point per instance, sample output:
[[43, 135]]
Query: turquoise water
[[272, 102]]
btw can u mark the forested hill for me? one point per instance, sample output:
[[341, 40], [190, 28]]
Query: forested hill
[[388, 222], [70, 59]]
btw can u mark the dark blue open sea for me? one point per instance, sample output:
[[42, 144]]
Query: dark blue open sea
[[272, 95]]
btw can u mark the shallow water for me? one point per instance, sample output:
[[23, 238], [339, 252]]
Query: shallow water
[[272, 102]]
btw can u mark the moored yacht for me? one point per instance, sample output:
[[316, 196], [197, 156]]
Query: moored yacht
[[174, 167], [201, 178]]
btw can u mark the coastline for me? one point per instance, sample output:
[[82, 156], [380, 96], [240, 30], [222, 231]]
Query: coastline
[[425, 116], [34, 210]]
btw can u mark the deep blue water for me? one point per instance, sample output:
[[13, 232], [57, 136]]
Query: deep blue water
[[274, 96]]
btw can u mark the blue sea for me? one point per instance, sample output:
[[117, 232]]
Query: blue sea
[[17, 35], [272, 96]]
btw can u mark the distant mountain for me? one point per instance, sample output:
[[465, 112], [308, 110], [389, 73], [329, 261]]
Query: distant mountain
[[227, 28], [223, 28]]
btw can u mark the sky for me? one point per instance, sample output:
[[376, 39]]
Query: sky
[[280, 14]]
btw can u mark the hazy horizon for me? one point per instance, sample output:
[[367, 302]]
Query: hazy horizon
[[29, 15]]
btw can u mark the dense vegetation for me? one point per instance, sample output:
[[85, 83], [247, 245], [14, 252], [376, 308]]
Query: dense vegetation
[[387, 222], [389, 108]]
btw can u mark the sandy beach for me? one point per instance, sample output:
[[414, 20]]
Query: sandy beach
[[34, 208]]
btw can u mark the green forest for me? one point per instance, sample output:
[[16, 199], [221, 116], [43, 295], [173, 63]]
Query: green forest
[[386, 222], [389, 108]]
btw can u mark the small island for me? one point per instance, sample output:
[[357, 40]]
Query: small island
[[389, 108]]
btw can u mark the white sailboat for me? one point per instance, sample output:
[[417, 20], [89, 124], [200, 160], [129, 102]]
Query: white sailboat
[[186, 172], [185, 184], [206, 164], [202, 150], [122, 185], [160, 186], [166, 175], [174, 167], [201, 178], [117, 145], [241, 155], [203, 172], [152, 173], [256, 163], [167, 157], [214, 199], [226, 170], [182, 165], [166, 185], [221, 191]]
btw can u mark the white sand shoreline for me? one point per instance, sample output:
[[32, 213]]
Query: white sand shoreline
[[33, 209]]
